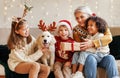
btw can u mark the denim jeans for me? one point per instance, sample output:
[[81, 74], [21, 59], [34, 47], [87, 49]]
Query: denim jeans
[[108, 63]]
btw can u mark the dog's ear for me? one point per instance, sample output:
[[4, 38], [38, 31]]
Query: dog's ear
[[39, 39], [53, 41]]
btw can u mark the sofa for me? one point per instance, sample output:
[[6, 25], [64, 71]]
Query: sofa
[[115, 51], [7, 73], [4, 52]]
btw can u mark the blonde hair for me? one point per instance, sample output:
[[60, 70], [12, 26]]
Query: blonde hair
[[15, 40], [67, 24], [84, 9]]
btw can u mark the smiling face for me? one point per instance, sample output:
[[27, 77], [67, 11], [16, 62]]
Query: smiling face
[[92, 28], [81, 18], [46, 39], [63, 32], [23, 31]]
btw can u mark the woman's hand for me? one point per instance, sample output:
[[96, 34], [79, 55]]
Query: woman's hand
[[87, 44]]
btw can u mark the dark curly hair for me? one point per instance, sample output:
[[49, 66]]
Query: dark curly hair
[[101, 24]]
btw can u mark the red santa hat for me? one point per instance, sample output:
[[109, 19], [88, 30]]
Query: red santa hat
[[67, 24]]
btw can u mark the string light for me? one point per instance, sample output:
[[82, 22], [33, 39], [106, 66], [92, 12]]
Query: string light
[[31, 12], [44, 3], [19, 4], [9, 19], [32, 17], [5, 8], [70, 9], [111, 9], [11, 6], [13, 0], [86, 4], [47, 13], [5, 13], [96, 5], [42, 7], [83, 2], [97, 8], [56, 4]]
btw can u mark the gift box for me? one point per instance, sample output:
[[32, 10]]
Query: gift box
[[66, 46]]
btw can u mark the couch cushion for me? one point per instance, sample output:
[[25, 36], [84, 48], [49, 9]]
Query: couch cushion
[[115, 47], [2, 70], [4, 53], [118, 64]]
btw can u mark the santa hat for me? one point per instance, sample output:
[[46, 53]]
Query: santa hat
[[67, 24]]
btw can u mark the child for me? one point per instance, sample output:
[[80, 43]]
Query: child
[[96, 27], [62, 66], [24, 52]]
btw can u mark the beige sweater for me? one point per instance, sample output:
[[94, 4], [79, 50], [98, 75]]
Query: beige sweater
[[102, 49], [26, 54]]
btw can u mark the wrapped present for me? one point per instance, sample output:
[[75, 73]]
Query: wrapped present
[[66, 46]]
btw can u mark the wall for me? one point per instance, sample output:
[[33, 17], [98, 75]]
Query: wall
[[54, 10]]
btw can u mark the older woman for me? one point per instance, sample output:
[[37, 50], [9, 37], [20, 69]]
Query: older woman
[[108, 62]]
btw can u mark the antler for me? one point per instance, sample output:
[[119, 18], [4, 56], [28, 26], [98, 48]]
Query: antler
[[26, 9], [42, 25], [52, 26]]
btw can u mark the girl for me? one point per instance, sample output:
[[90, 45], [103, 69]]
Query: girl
[[81, 14], [24, 52], [62, 66]]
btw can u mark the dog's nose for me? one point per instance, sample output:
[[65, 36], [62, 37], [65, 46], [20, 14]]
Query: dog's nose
[[45, 41]]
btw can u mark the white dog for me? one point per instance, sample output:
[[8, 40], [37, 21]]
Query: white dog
[[46, 42]]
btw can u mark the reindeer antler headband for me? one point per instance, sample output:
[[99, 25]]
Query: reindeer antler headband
[[26, 9], [43, 26]]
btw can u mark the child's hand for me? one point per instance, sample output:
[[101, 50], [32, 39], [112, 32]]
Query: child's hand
[[60, 53], [67, 64], [63, 55]]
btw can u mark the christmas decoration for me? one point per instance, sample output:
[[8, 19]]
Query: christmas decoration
[[26, 9]]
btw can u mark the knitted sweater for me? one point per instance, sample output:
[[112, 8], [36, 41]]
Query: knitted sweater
[[105, 40], [26, 54], [57, 48], [102, 49]]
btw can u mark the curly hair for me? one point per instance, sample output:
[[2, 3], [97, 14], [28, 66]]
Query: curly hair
[[101, 24]]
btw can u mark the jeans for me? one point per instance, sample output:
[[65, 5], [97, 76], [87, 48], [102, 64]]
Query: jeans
[[108, 63]]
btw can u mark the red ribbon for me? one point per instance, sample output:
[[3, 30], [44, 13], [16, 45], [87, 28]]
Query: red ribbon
[[72, 46]]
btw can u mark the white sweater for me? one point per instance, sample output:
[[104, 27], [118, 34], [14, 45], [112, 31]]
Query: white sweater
[[26, 54], [103, 49]]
